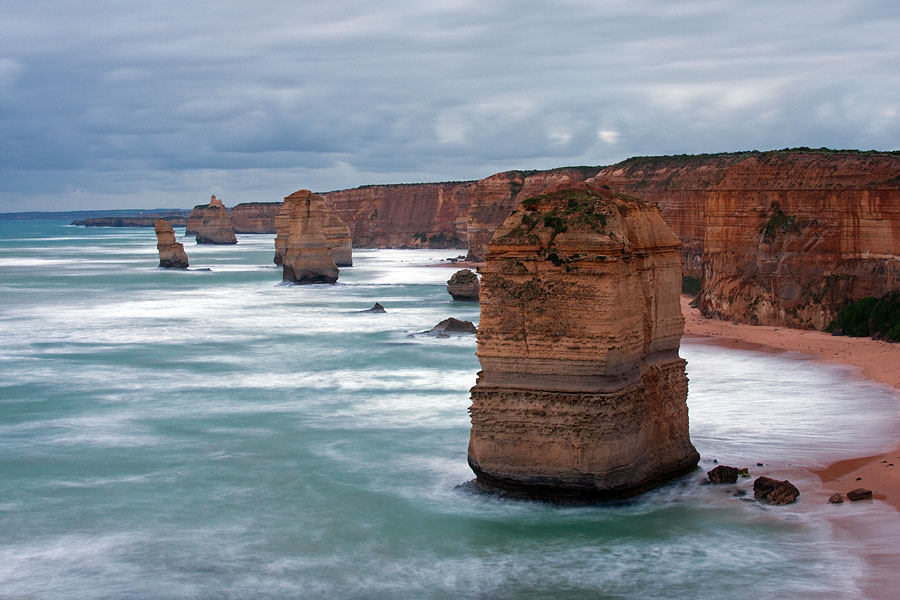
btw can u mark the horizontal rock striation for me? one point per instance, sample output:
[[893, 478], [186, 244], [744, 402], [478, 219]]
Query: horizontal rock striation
[[582, 393], [216, 227], [335, 231], [307, 257], [171, 253], [254, 217]]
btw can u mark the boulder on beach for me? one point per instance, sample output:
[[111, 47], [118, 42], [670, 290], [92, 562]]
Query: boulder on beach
[[723, 474], [859, 494], [774, 491]]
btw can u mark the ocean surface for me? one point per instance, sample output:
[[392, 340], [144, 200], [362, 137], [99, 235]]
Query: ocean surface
[[218, 434]]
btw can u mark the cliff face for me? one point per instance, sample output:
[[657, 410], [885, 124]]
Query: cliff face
[[192, 226], [254, 217], [171, 253], [582, 391], [307, 257], [216, 227], [335, 231], [426, 215]]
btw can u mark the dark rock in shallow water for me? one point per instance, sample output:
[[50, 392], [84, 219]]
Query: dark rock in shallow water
[[451, 325], [723, 474], [836, 499], [378, 308], [859, 494], [774, 491]]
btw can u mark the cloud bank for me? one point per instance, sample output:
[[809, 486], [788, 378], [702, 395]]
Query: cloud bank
[[114, 104]]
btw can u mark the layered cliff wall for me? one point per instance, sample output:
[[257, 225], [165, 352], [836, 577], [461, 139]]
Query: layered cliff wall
[[254, 217], [582, 391]]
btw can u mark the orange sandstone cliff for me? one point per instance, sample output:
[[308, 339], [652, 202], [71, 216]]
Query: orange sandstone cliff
[[582, 392], [336, 233], [254, 217]]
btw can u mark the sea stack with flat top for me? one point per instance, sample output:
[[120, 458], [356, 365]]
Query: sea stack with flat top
[[171, 253], [216, 227], [337, 234], [307, 257], [582, 393]]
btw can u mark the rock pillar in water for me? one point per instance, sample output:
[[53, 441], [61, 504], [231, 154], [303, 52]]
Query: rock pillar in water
[[216, 228], [171, 253], [336, 232], [307, 257], [463, 286], [582, 392]]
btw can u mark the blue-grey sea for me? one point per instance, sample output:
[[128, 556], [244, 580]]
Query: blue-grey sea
[[217, 434]]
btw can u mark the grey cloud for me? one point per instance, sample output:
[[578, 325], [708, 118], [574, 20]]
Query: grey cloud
[[117, 104]]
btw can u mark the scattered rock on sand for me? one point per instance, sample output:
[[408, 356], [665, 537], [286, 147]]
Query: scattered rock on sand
[[774, 491], [723, 474], [859, 494], [836, 499]]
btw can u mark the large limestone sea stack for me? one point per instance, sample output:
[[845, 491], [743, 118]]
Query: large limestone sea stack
[[336, 232], [307, 257], [216, 227], [171, 253], [582, 393]]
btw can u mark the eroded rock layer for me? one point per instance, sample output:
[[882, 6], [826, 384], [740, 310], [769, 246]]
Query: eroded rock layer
[[582, 392], [254, 217], [336, 232], [307, 256], [171, 253], [216, 227]]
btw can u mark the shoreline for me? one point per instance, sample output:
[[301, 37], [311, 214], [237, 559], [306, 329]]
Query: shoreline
[[873, 360]]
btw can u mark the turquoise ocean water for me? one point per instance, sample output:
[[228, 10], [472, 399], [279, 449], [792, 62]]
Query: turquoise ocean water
[[216, 434]]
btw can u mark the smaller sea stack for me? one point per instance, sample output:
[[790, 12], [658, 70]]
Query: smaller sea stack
[[582, 394], [216, 228], [336, 232], [464, 286], [307, 256], [171, 253]]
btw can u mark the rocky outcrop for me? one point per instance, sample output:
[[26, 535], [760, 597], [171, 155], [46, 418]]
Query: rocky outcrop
[[463, 286], [723, 474], [451, 326], [171, 253], [175, 220], [336, 232], [254, 217], [195, 218], [582, 392], [307, 257], [216, 228]]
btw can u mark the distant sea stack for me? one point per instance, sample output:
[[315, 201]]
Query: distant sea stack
[[582, 394], [216, 228], [171, 253], [307, 257], [335, 231], [463, 286]]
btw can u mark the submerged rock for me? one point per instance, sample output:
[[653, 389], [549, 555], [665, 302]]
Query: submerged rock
[[378, 308], [463, 286], [307, 257], [582, 393], [451, 326], [216, 228], [171, 253], [774, 491]]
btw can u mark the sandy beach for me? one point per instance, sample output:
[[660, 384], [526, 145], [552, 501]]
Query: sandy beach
[[876, 360]]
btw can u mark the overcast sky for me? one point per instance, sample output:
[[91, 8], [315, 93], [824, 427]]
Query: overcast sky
[[114, 104]]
